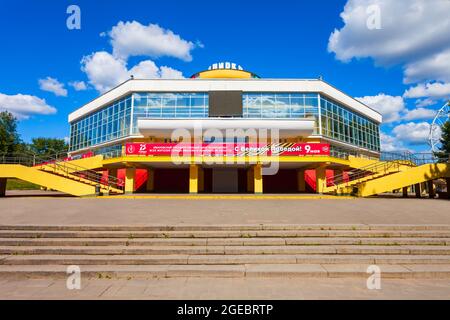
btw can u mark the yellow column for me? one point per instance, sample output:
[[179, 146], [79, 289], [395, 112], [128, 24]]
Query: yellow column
[[201, 179], [301, 184], [193, 178], [321, 179], [250, 184], [130, 173], [257, 179], [150, 180]]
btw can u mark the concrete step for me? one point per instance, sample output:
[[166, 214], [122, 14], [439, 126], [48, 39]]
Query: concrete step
[[227, 250], [407, 271], [220, 259], [221, 241], [227, 234], [243, 227]]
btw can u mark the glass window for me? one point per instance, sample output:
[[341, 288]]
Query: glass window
[[342, 124]]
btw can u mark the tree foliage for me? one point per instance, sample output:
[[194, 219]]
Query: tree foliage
[[48, 147], [10, 142], [9, 138], [445, 138]]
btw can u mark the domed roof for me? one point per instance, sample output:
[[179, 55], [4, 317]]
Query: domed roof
[[225, 70]]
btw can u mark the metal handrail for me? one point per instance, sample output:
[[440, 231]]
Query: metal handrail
[[64, 166], [398, 159], [363, 172]]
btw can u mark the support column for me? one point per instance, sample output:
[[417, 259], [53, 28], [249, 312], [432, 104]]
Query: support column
[[431, 193], [201, 179], [193, 178], [150, 180], [3, 182], [301, 184], [257, 179], [321, 179], [130, 174], [405, 192], [418, 190], [250, 182]]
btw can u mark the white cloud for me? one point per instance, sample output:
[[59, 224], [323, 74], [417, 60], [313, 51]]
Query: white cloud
[[425, 102], [393, 108], [135, 39], [436, 90], [106, 71], [389, 106], [103, 70], [169, 73], [23, 106], [419, 114], [412, 133], [414, 33], [149, 70], [78, 85], [433, 67], [53, 85], [390, 144]]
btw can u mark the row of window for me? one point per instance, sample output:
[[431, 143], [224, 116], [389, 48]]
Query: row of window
[[108, 124], [341, 124], [119, 119], [169, 105], [280, 106]]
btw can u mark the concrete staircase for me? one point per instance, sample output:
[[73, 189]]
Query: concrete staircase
[[401, 251]]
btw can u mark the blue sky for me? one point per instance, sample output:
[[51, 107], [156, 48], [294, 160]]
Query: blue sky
[[275, 39]]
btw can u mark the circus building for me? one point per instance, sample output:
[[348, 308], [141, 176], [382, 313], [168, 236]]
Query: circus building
[[174, 136]]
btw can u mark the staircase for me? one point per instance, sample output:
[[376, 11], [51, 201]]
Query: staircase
[[400, 251], [388, 175], [64, 176]]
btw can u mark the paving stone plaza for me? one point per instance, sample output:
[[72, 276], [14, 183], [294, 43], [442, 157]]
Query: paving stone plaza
[[225, 248]]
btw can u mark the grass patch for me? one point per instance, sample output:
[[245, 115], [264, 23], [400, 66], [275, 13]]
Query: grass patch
[[16, 184]]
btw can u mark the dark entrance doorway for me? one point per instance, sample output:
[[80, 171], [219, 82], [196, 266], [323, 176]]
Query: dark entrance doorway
[[285, 181], [171, 181], [225, 180]]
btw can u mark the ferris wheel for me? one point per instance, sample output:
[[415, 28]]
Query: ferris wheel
[[442, 116]]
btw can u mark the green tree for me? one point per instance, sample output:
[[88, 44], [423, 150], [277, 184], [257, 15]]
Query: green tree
[[445, 138], [48, 147], [9, 138]]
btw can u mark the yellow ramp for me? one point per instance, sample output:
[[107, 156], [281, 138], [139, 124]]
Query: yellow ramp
[[91, 163], [359, 162], [46, 179], [406, 178]]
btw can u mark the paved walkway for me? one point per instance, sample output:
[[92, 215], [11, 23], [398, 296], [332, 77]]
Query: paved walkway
[[61, 210], [66, 210], [217, 288]]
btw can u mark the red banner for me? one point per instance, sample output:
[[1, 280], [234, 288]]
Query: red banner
[[227, 149]]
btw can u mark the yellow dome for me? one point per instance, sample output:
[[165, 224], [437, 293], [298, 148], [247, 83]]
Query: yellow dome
[[225, 70]]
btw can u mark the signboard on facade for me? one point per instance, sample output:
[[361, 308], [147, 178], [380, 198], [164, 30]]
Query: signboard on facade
[[227, 149]]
